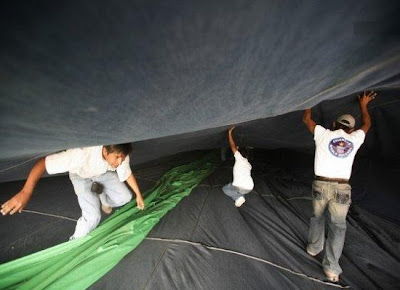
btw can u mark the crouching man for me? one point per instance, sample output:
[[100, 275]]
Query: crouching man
[[242, 181], [97, 173]]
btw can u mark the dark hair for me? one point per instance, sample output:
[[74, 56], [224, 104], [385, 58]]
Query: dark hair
[[125, 148], [339, 126]]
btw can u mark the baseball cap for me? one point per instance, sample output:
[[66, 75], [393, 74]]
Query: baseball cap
[[346, 120]]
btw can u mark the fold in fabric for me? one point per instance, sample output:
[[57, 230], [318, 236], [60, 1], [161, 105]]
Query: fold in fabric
[[79, 263]]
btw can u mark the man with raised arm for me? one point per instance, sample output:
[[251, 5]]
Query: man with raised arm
[[334, 155], [242, 181]]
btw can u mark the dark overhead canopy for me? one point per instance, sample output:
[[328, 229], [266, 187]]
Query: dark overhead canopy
[[87, 73]]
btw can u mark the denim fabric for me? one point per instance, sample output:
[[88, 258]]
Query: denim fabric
[[115, 193], [330, 200], [222, 59], [234, 192]]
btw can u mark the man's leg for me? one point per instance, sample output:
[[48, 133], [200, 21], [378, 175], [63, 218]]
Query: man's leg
[[338, 208], [241, 200], [316, 234], [115, 192], [90, 206], [232, 192]]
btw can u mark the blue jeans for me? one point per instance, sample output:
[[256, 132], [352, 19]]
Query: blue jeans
[[115, 193], [331, 200], [234, 192]]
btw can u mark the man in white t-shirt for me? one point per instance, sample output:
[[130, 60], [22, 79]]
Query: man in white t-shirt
[[242, 181], [334, 155], [97, 173]]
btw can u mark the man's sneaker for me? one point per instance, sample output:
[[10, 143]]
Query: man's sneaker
[[106, 209], [311, 253], [331, 276], [240, 201]]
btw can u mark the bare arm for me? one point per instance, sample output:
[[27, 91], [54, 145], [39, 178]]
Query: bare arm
[[18, 202], [231, 141], [135, 187], [366, 119], [310, 123]]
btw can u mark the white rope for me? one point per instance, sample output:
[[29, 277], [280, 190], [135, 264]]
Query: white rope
[[247, 256], [49, 214], [26, 161]]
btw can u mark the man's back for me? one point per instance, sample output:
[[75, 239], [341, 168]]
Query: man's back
[[335, 151]]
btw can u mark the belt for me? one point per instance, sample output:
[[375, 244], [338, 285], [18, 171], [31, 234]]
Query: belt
[[338, 180]]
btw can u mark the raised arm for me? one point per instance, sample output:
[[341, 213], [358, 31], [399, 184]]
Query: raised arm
[[309, 121], [231, 141], [18, 202], [364, 100]]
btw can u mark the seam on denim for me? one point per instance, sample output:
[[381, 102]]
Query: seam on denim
[[201, 212], [22, 163], [246, 256], [49, 214], [155, 266]]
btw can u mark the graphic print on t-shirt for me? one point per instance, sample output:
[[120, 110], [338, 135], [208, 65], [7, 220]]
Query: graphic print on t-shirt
[[340, 147]]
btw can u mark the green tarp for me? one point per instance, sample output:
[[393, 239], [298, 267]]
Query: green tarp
[[78, 264]]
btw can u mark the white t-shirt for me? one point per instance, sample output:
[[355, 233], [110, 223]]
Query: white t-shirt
[[86, 162], [242, 172], [335, 151]]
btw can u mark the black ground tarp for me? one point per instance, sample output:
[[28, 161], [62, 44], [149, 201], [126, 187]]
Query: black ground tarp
[[83, 73], [206, 242], [172, 76]]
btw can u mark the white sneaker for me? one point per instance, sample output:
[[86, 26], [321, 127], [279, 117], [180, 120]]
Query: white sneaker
[[312, 254], [331, 276], [241, 200], [106, 209]]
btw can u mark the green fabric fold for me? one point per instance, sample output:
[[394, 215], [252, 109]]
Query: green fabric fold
[[78, 264]]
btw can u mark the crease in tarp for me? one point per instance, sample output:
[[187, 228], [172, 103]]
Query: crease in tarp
[[79, 263]]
